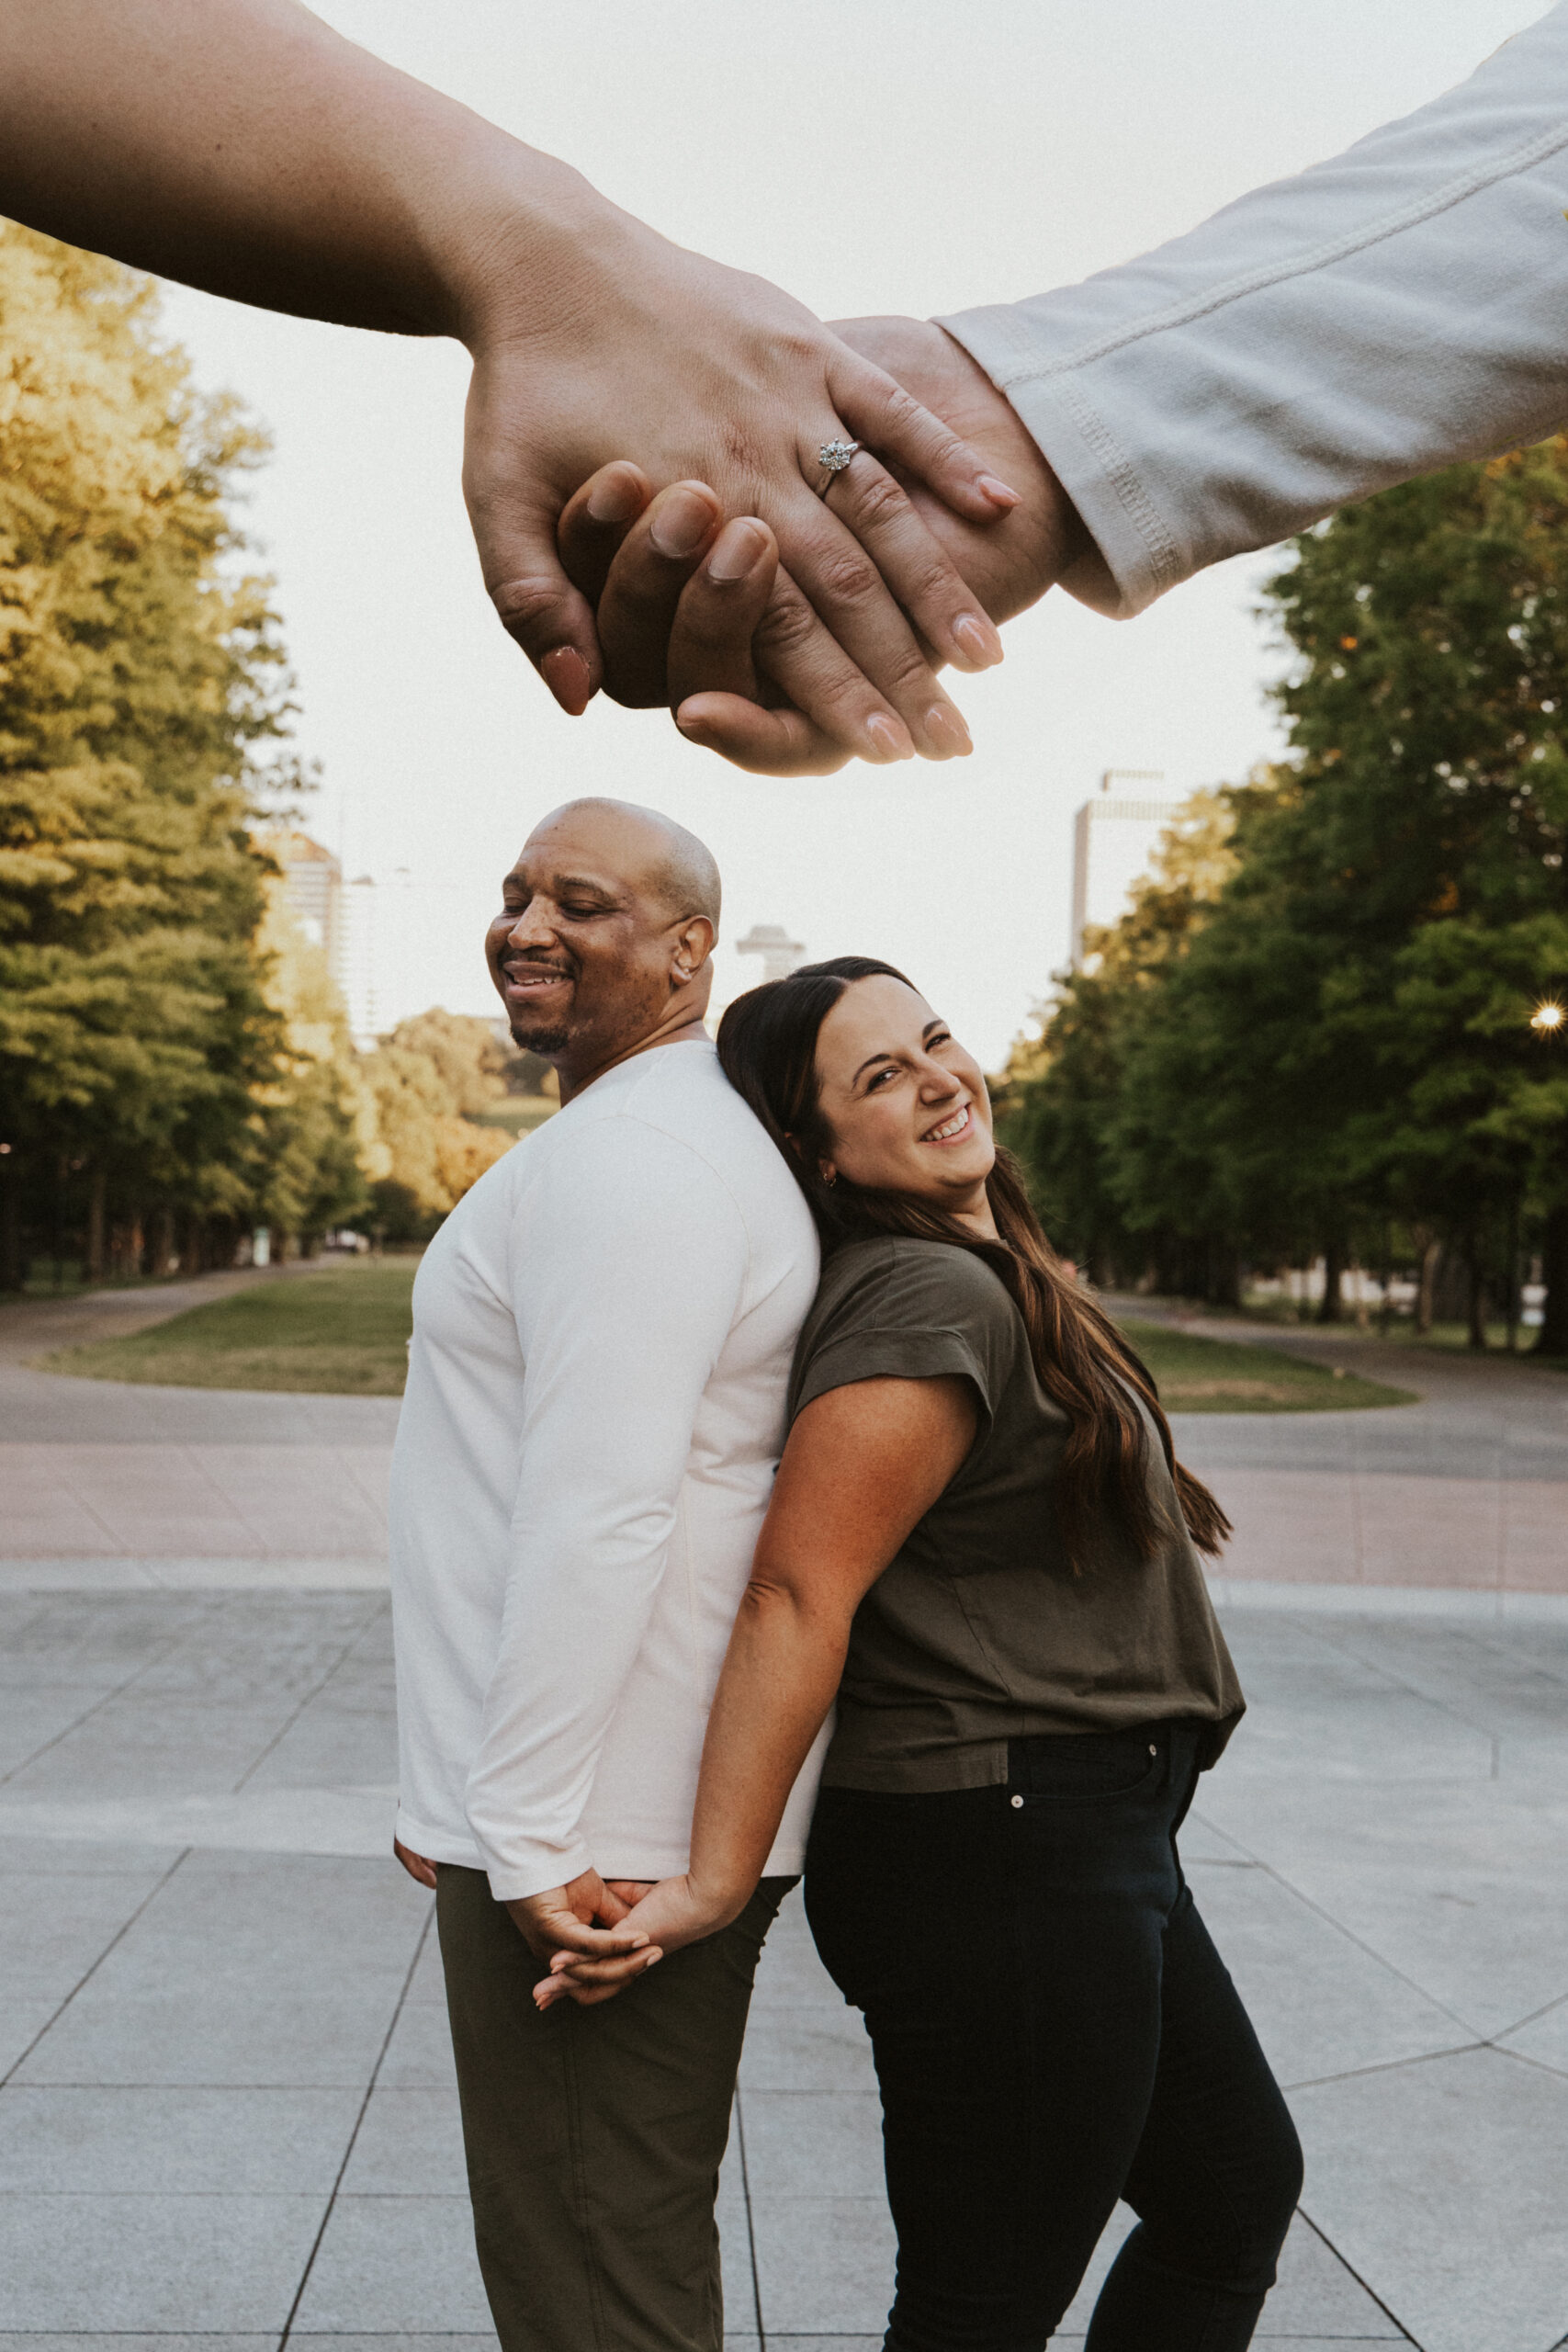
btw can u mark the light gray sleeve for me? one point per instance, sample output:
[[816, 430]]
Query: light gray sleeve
[[1390, 311]]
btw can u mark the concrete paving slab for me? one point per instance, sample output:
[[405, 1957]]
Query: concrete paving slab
[[26, 1576], [48, 1944], [181, 1747], [342, 1822], [410, 2145], [1442, 2181], [27, 1855], [398, 2340], [428, 1985], [419, 2056], [404, 2263], [819, 2343], [218, 2037], [333, 1746], [813, 2144], [824, 2264], [1462, 1889], [73, 1639], [34, 2342], [1544, 2039], [32, 1719], [22, 2020], [807, 2048], [148, 2264], [166, 2142], [1322, 2004], [221, 1499], [279, 1922], [1318, 2300]]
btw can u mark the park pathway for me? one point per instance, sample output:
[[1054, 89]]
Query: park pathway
[[227, 2116]]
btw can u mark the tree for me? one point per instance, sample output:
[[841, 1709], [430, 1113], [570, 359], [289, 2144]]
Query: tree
[[138, 678], [1064, 1104], [1337, 1041]]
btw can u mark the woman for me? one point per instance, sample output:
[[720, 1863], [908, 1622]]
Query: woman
[[981, 1544]]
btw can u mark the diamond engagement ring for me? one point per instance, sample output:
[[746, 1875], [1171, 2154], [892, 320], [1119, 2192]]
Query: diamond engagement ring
[[836, 455]]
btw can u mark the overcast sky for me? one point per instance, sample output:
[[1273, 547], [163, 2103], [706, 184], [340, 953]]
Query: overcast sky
[[869, 155]]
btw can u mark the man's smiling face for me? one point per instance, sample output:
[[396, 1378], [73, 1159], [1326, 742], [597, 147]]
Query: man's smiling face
[[584, 948]]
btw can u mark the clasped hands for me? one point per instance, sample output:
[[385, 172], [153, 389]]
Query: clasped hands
[[694, 608], [597, 1936]]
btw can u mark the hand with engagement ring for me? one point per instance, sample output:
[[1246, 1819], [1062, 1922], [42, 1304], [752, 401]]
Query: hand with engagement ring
[[709, 631], [338, 188]]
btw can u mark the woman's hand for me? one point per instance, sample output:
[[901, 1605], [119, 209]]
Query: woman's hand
[[686, 369], [674, 1911], [741, 679]]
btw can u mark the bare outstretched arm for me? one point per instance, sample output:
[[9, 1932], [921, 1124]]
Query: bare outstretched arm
[[243, 146]]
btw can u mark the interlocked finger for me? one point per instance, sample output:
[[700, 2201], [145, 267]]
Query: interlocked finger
[[643, 590], [932, 591], [860, 610], [594, 523]]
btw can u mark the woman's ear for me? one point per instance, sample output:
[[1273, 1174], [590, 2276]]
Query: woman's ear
[[829, 1173]]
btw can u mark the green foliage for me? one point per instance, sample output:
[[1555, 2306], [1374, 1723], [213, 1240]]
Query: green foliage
[[139, 674], [1331, 1044]]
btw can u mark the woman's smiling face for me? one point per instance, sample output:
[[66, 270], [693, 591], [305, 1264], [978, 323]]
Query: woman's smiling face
[[905, 1107]]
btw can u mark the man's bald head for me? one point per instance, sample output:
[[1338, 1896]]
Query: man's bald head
[[603, 944], [650, 850]]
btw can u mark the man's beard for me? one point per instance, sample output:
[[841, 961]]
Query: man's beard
[[544, 1042]]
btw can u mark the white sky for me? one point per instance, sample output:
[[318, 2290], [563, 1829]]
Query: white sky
[[869, 155]]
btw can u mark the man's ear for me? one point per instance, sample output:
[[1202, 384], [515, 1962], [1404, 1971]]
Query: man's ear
[[693, 945]]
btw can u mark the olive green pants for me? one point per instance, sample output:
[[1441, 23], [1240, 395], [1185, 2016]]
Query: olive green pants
[[594, 2136]]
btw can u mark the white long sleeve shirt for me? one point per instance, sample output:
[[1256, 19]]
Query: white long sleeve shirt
[[1399, 308], [595, 1407]]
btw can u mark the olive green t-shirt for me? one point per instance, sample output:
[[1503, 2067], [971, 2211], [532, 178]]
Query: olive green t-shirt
[[978, 1632]]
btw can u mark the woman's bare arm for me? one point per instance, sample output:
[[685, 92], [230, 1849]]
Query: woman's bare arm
[[863, 1464], [246, 147]]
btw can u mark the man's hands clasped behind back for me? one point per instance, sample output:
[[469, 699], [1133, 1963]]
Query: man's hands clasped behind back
[[697, 611]]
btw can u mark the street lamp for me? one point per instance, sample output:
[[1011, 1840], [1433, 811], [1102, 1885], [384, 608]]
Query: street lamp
[[1548, 1018]]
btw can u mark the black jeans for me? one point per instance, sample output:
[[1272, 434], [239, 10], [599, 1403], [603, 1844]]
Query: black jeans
[[1053, 2029]]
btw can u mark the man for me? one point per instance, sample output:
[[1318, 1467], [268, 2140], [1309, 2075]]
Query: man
[[602, 1335]]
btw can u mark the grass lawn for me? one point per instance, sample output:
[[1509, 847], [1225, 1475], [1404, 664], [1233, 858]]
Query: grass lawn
[[342, 1332], [519, 1114], [1231, 1376]]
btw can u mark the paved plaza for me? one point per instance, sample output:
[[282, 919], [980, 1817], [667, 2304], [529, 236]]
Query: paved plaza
[[227, 2115]]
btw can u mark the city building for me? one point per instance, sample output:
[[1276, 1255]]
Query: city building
[[357, 967], [346, 921], [1113, 838], [312, 886], [780, 955]]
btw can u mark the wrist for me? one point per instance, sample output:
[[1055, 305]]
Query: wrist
[[519, 240], [718, 1897]]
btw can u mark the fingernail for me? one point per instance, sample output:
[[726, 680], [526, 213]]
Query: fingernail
[[978, 639], [616, 499], [946, 730], [740, 548], [682, 524], [565, 674], [999, 492], [888, 739]]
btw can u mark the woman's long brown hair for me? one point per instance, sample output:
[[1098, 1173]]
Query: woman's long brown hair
[[767, 1043]]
